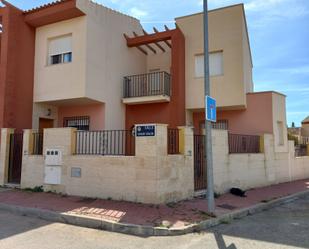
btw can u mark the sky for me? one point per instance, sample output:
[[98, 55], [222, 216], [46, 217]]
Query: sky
[[278, 31]]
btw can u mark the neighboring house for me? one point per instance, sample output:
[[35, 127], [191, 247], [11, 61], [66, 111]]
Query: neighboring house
[[301, 134], [305, 127], [83, 65]]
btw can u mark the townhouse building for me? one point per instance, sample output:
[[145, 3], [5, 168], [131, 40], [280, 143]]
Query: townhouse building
[[81, 64]]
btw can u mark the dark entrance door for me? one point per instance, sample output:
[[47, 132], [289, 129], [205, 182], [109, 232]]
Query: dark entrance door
[[15, 158], [45, 123], [200, 175]]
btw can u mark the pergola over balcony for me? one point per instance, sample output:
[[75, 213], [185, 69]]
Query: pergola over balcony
[[151, 42], [156, 87]]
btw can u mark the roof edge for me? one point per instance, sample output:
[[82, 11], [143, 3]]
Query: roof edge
[[209, 11], [262, 92]]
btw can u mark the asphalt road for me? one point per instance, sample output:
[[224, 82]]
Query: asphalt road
[[283, 227]]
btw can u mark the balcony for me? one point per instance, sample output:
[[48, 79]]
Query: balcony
[[147, 88]]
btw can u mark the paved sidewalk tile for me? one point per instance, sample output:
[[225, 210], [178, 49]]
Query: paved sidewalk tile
[[174, 215]]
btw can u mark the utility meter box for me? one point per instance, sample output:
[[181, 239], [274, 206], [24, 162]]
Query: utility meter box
[[53, 157], [53, 163], [52, 175]]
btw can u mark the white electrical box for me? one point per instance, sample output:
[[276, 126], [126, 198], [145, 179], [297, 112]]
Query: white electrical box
[[53, 157], [52, 175]]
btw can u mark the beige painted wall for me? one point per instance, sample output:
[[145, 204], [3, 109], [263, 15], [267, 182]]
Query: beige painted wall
[[62, 81], [247, 59], [108, 59], [101, 59], [41, 111], [161, 61], [227, 34]]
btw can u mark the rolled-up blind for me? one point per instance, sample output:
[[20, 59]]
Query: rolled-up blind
[[60, 45], [215, 64]]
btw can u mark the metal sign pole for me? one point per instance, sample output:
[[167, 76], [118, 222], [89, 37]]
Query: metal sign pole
[[208, 138]]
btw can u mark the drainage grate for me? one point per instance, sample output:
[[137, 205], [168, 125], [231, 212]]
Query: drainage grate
[[227, 206]]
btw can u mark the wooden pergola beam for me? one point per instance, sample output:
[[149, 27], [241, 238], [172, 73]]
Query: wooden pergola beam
[[165, 41], [147, 45], [151, 38], [156, 43], [138, 47]]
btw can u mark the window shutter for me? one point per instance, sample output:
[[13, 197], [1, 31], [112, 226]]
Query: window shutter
[[215, 64], [199, 66], [60, 45]]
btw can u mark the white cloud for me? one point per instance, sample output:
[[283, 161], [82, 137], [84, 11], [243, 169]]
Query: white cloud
[[138, 13]]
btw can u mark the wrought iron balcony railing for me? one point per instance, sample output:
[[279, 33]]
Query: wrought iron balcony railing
[[151, 84]]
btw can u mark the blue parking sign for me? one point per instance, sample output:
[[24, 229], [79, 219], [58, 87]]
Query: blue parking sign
[[211, 109]]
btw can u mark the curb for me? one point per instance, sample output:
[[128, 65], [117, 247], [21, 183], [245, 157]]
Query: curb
[[145, 231]]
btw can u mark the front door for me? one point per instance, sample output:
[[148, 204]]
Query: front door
[[15, 158], [45, 123]]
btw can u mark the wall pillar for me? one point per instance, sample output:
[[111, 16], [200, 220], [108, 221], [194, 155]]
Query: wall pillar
[[153, 146], [4, 154], [186, 140], [63, 139], [27, 142]]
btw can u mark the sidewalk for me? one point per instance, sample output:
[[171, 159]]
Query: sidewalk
[[173, 216]]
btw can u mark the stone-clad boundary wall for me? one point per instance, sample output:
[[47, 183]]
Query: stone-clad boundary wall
[[255, 170], [151, 176]]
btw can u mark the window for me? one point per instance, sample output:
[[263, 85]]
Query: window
[[215, 64], [56, 59], [60, 50], [81, 123], [219, 125], [280, 133]]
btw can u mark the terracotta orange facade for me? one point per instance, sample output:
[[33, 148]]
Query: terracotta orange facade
[[173, 112], [16, 69], [17, 45]]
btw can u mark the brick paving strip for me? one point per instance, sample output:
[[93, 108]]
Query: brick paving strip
[[147, 220]]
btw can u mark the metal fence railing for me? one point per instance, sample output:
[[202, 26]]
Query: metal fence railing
[[244, 143], [105, 142], [200, 174], [151, 84], [220, 125], [37, 143], [301, 150], [304, 140], [173, 141]]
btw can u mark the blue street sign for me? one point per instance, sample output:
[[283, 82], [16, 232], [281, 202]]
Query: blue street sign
[[211, 109], [145, 130]]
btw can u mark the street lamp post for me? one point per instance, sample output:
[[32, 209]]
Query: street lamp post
[[208, 138]]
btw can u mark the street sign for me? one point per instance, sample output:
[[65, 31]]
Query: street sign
[[211, 109], [145, 130]]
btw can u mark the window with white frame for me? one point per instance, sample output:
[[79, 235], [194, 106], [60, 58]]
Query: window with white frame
[[280, 133], [215, 64], [60, 50]]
